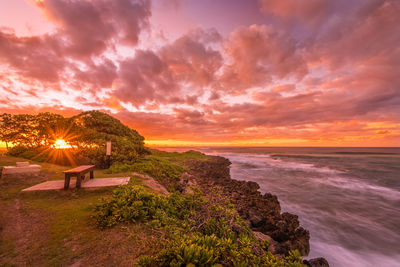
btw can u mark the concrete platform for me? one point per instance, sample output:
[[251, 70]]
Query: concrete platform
[[21, 168], [88, 183]]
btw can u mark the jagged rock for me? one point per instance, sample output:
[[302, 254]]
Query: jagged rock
[[255, 219], [317, 262], [273, 246], [263, 212], [186, 182], [263, 237]]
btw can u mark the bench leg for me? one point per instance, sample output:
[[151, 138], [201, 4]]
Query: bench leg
[[91, 175], [78, 181], [66, 181]]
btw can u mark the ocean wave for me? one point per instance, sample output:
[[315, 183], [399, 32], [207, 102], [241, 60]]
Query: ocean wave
[[360, 186], [339, 256], [269, 161], [260, 160], [309, 167], [364, 153], [335, 177], [351, 214]]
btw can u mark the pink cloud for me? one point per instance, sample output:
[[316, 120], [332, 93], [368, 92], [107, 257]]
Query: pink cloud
[[89, 27], [283, 88], [371, 32], [159, 75], [35, 57], [258, 54], [310, 12], [144, 77], [293, 82], [191, 60], [83, 29], [100, 75]]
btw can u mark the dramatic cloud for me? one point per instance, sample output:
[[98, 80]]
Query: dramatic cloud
[[191, 60], [36, 57], [310, 12], [258, 54], [173, 73], [144, 77], [304, 72], [89, 27], [371, 32], [101, 75]]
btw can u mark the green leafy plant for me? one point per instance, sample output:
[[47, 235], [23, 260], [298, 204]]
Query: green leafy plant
[[211, 250], [202, 231]]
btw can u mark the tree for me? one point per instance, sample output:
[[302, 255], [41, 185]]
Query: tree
[[7, 131], [93, 129], [32, 136], [31, 130], [50, 127], [18, 129]]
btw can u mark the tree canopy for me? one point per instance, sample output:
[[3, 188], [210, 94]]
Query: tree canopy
[[87, 133]]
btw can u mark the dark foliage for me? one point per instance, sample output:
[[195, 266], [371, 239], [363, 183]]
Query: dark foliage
[[33, 136]]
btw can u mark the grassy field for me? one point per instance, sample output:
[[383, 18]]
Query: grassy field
[[55, 228], [58, 228]]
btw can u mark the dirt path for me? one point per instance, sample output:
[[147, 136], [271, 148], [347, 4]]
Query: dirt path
[[57, 228], [24, 229]]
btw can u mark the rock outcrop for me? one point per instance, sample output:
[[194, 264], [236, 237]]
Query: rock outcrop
[[317, 262], [261, 211]]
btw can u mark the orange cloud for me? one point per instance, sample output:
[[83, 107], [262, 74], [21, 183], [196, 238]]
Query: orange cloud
[[307, 73]]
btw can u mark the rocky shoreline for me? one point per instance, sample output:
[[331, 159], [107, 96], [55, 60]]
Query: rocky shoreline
[[261, 211]]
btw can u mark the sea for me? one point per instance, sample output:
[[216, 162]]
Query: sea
[[348, 198]]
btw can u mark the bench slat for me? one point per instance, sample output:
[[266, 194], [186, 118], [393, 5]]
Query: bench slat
[[80, 169]]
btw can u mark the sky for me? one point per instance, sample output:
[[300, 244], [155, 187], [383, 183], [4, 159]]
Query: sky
[[210, 72]]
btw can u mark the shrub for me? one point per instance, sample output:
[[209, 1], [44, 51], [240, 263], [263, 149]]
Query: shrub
[[134, 203], [202, 231], [210, 250]]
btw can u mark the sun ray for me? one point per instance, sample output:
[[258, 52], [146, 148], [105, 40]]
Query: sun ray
[[61, 144]]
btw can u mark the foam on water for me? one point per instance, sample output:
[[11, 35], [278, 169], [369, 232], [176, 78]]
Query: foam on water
[[352, 215], [360, 186], [348, 258], [263, 160]]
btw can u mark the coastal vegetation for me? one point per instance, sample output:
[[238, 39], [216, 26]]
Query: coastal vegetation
[[165, 167], [201, 230], [139, 224], [195, 224]]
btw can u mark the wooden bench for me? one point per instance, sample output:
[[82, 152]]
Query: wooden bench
[[79, 173]]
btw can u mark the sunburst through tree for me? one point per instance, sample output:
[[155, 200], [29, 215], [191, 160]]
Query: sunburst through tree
[[80, 139]]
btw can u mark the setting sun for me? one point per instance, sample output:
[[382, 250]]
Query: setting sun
[[60, 144]]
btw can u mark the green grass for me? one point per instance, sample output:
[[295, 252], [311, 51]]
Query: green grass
[[67, 231], [61, 228], [70, 217], [179, 158], [55, 228], [165, 167]]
